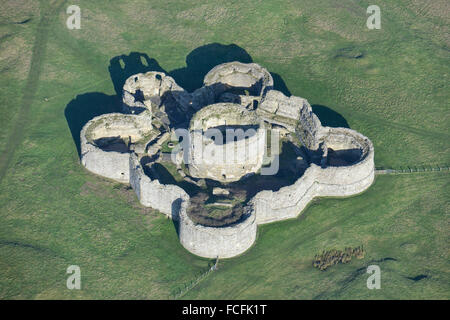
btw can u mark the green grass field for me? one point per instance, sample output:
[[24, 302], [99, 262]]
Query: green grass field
[[390, 84]]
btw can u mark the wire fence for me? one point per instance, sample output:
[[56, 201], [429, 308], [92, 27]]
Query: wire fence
[[196, 281], [411, 169]]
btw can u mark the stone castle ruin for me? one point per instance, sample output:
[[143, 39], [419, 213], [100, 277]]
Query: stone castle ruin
[[235, 160], [217, 191]]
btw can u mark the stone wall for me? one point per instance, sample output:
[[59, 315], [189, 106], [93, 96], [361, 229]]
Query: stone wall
[[309, 128], [293, 113], [166, 198], [351, 179], [346, 176], [112, 164], [135, 127], [250, 76], [289, 201], [213, 242], [153, 86], [221, 114], [228, 161]]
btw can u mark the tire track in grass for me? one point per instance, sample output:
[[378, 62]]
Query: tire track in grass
[[38, 52]]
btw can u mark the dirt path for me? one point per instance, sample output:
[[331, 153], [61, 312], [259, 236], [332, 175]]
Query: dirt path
[[38, 52]]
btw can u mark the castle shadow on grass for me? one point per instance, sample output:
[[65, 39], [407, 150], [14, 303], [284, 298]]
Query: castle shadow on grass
[[198, 63]]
